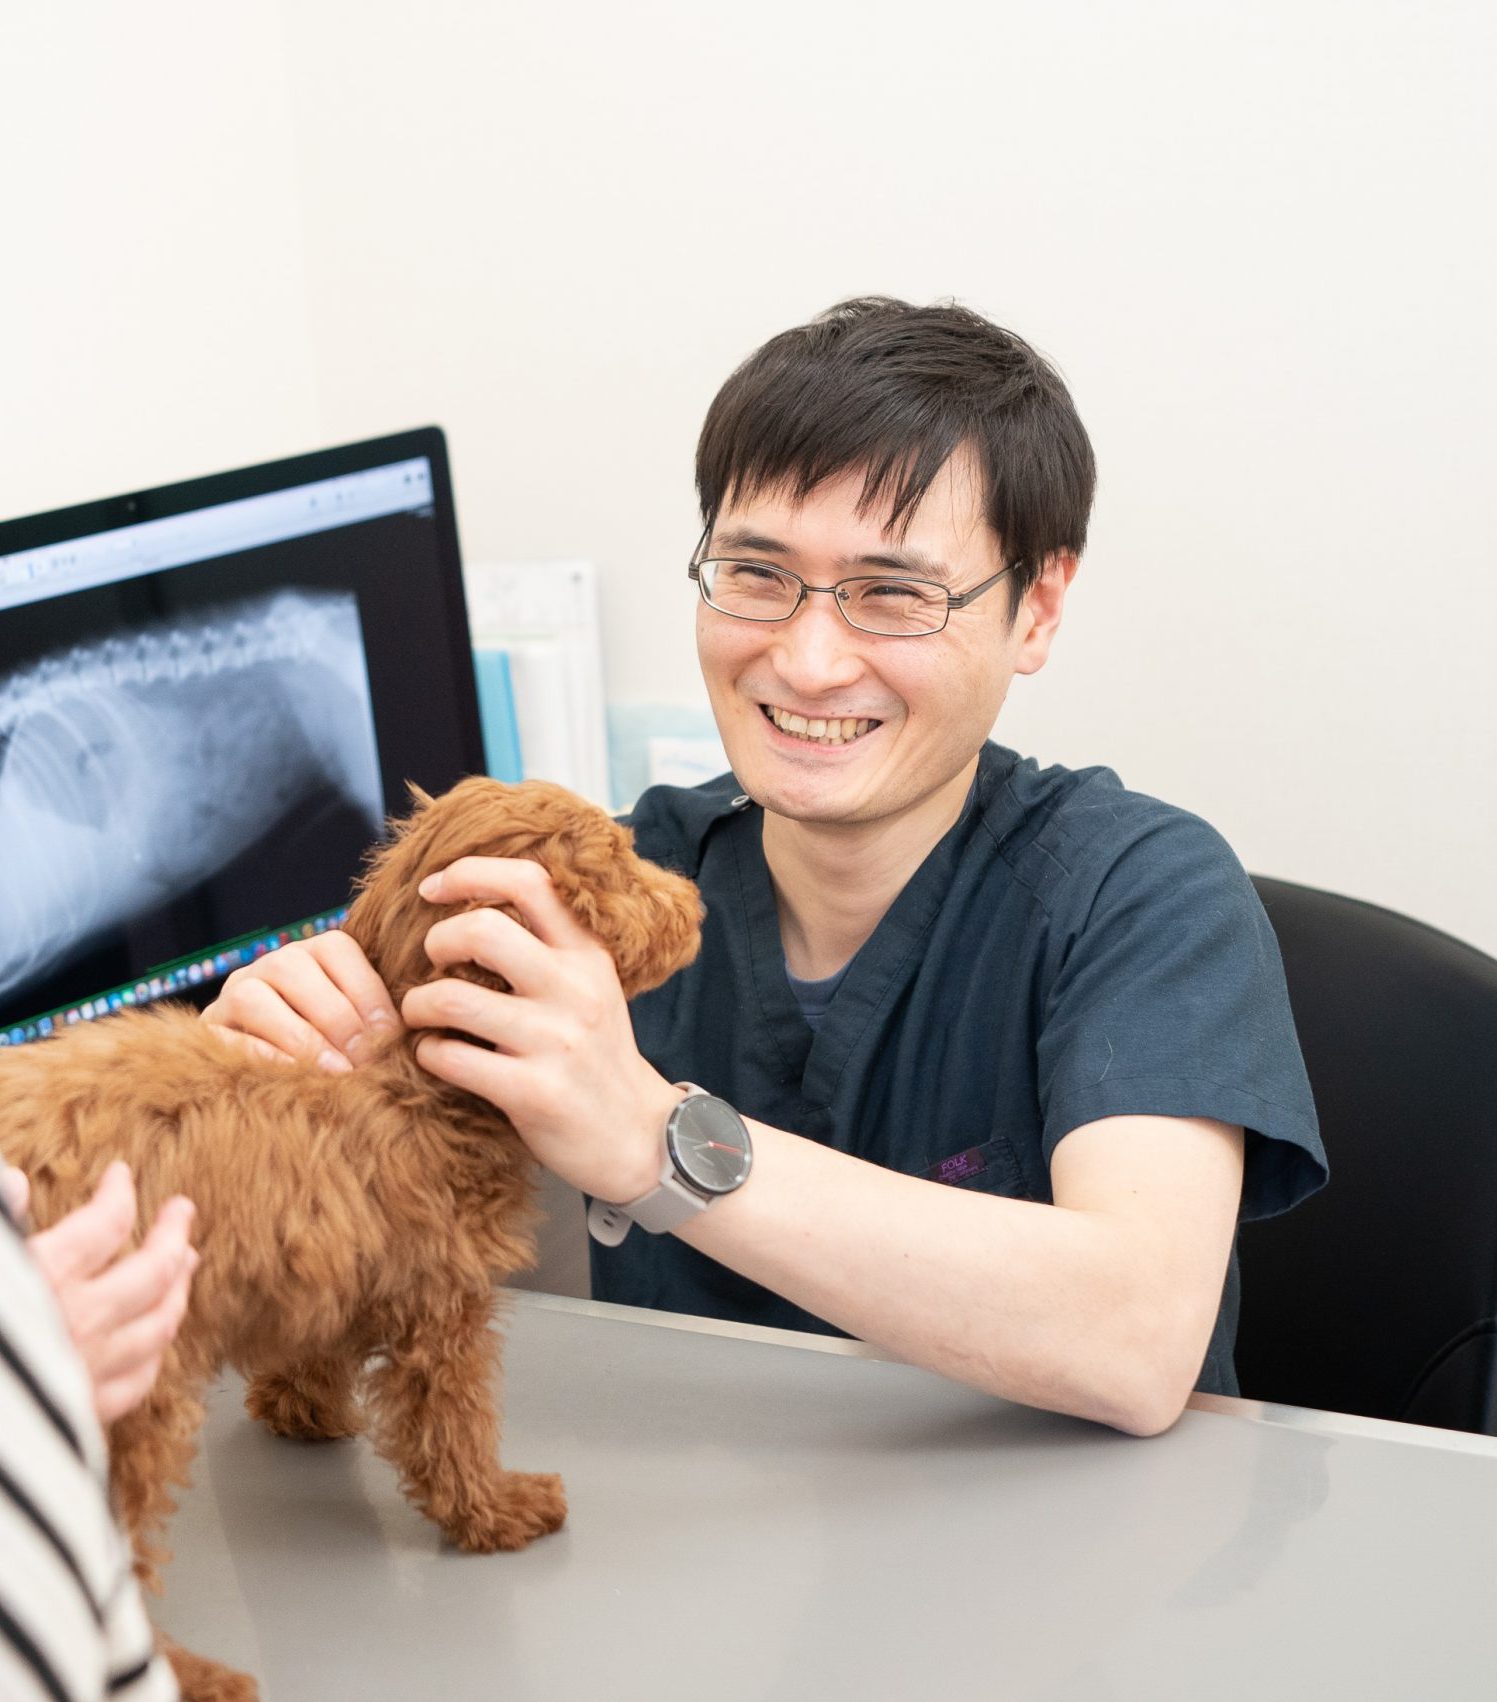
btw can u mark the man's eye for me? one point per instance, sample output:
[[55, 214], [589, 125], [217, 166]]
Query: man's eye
[[746, 570]]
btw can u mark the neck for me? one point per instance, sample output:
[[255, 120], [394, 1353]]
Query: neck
[[834, 881]]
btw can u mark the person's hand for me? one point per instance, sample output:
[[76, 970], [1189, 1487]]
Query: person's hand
[[122, 1310], [318, 999], [15, 1192], [566, 1070]]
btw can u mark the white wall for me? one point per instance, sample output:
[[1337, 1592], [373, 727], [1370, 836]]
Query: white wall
[[153, 299], [1256, 238]]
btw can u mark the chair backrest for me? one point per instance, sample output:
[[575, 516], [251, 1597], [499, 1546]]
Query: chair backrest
[[1379, 1295]]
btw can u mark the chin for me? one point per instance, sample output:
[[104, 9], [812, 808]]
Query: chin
[[808, 803]]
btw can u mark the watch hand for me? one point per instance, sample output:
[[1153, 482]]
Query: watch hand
[[722, 1146]]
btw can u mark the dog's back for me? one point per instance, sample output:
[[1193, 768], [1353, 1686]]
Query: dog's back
[[316, 1194]]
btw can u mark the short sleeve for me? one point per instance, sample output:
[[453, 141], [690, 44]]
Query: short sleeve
[[1167, 998]]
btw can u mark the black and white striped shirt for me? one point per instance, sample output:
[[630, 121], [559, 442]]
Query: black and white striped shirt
[[72, 1627]]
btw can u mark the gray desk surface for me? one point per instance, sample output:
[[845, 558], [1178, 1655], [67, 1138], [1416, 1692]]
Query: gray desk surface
[[757, 1515]]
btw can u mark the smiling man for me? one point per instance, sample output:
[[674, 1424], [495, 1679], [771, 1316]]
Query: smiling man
[[980, 1062]]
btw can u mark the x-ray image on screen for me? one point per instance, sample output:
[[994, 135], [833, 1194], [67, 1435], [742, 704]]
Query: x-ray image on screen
[[145, 768]]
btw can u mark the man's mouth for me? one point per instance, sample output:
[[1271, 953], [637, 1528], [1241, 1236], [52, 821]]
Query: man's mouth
[[817, 730]]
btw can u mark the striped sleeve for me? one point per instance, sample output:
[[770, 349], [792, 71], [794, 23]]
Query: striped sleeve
[[72, 1626]]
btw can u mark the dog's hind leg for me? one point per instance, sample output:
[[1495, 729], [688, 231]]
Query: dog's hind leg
[[437, 1422], [313, 1400], [150, 1451], [202, 1680]]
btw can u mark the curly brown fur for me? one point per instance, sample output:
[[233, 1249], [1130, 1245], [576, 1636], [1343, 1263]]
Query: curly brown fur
[[352, 1227]]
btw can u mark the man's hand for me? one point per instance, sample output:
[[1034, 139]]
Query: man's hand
[[565, 1068], [318, 999], [121, 1311]]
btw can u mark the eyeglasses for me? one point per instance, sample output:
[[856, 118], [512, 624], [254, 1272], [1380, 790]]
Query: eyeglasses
[[894, 608]]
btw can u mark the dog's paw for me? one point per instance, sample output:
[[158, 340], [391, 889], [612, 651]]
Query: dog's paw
[[289, 1407], [525, 1505]]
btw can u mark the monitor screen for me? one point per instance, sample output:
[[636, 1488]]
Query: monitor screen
[[211, 696]]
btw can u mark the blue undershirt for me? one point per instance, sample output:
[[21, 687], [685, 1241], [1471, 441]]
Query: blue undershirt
[[813, 997]]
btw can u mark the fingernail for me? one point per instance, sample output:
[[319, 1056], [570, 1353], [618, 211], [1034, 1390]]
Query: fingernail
[[379, 1019], [334, 1062], [430, 887]]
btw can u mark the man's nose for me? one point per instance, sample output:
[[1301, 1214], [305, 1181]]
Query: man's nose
[[816, 650]]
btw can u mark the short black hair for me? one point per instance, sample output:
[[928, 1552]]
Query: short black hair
[[893, 389]]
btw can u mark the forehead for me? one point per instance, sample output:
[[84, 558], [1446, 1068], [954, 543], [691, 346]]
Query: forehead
[[838, 517]]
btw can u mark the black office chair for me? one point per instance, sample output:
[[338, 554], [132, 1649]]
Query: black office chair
[[1379, 1295]]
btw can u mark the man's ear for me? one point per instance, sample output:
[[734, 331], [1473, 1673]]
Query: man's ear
[[1040, 612]]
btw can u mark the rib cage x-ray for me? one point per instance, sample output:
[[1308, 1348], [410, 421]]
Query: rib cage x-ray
[[136, 767]]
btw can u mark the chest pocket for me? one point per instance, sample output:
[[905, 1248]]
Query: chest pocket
[[987, 1169]]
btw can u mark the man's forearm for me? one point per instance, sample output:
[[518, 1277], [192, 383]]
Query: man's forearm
[[1035, 1303]]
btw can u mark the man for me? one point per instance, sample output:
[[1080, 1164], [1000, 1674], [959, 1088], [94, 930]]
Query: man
[[1011, 1047]]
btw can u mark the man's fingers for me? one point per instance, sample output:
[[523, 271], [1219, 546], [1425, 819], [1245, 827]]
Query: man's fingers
[[496, 942], [509, 1023], [488, 1074], [320, 999], [508, 880], [251, 1044], [84, 1242], [294, 1006], [356, 977]]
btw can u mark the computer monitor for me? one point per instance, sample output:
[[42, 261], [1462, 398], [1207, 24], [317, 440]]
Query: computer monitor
[[211, 696]]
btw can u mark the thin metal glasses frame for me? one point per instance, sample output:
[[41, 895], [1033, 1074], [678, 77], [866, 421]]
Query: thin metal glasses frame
[[954, 599]]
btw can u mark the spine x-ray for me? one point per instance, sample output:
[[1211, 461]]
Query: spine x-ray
[[135, 767]]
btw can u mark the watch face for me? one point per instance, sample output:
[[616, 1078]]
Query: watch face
[[709, 1144]]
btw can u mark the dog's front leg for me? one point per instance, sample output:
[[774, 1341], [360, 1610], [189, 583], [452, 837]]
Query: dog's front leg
[[436, 1420]]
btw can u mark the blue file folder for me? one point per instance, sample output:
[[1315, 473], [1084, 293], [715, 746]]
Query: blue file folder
[[496, 710]]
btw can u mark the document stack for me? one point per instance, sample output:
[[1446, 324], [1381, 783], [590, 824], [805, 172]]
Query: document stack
[[539, 664]]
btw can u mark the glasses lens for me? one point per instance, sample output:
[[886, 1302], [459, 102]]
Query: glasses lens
[[749, 589], [894, 605]]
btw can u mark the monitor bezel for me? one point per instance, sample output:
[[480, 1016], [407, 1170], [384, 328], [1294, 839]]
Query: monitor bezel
[[162, 502]]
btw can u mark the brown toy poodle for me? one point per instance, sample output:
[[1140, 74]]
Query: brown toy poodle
[[352, 1227]]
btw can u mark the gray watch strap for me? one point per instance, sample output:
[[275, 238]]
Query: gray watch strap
[[668, 1203]]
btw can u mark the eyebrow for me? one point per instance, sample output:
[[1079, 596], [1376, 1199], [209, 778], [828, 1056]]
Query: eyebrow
[[904, 560]]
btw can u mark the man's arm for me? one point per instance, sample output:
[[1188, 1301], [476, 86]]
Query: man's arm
[[1101, 1305]]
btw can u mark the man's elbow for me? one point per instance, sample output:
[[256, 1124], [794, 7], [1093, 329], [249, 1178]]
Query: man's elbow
[[1116, 1385], [1151, 1376], [1150, 1415], [1136, 1371]]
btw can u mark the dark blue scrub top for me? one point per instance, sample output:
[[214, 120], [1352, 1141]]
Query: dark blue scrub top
[[1069, 951]]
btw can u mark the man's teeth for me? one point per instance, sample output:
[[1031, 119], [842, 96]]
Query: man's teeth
[[836, 731]]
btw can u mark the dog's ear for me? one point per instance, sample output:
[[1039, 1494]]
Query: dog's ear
[[649, 919], [388, 916]]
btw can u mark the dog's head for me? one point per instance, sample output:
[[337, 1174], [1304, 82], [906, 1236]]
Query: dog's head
[[649, 919]]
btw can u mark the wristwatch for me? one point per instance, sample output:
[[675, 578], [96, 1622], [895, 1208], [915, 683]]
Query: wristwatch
[[708, 1153]]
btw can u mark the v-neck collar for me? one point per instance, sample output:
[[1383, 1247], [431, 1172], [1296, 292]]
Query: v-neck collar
[[877, 974]]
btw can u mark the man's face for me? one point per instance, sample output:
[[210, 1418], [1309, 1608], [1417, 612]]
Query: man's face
[[930, 701]]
